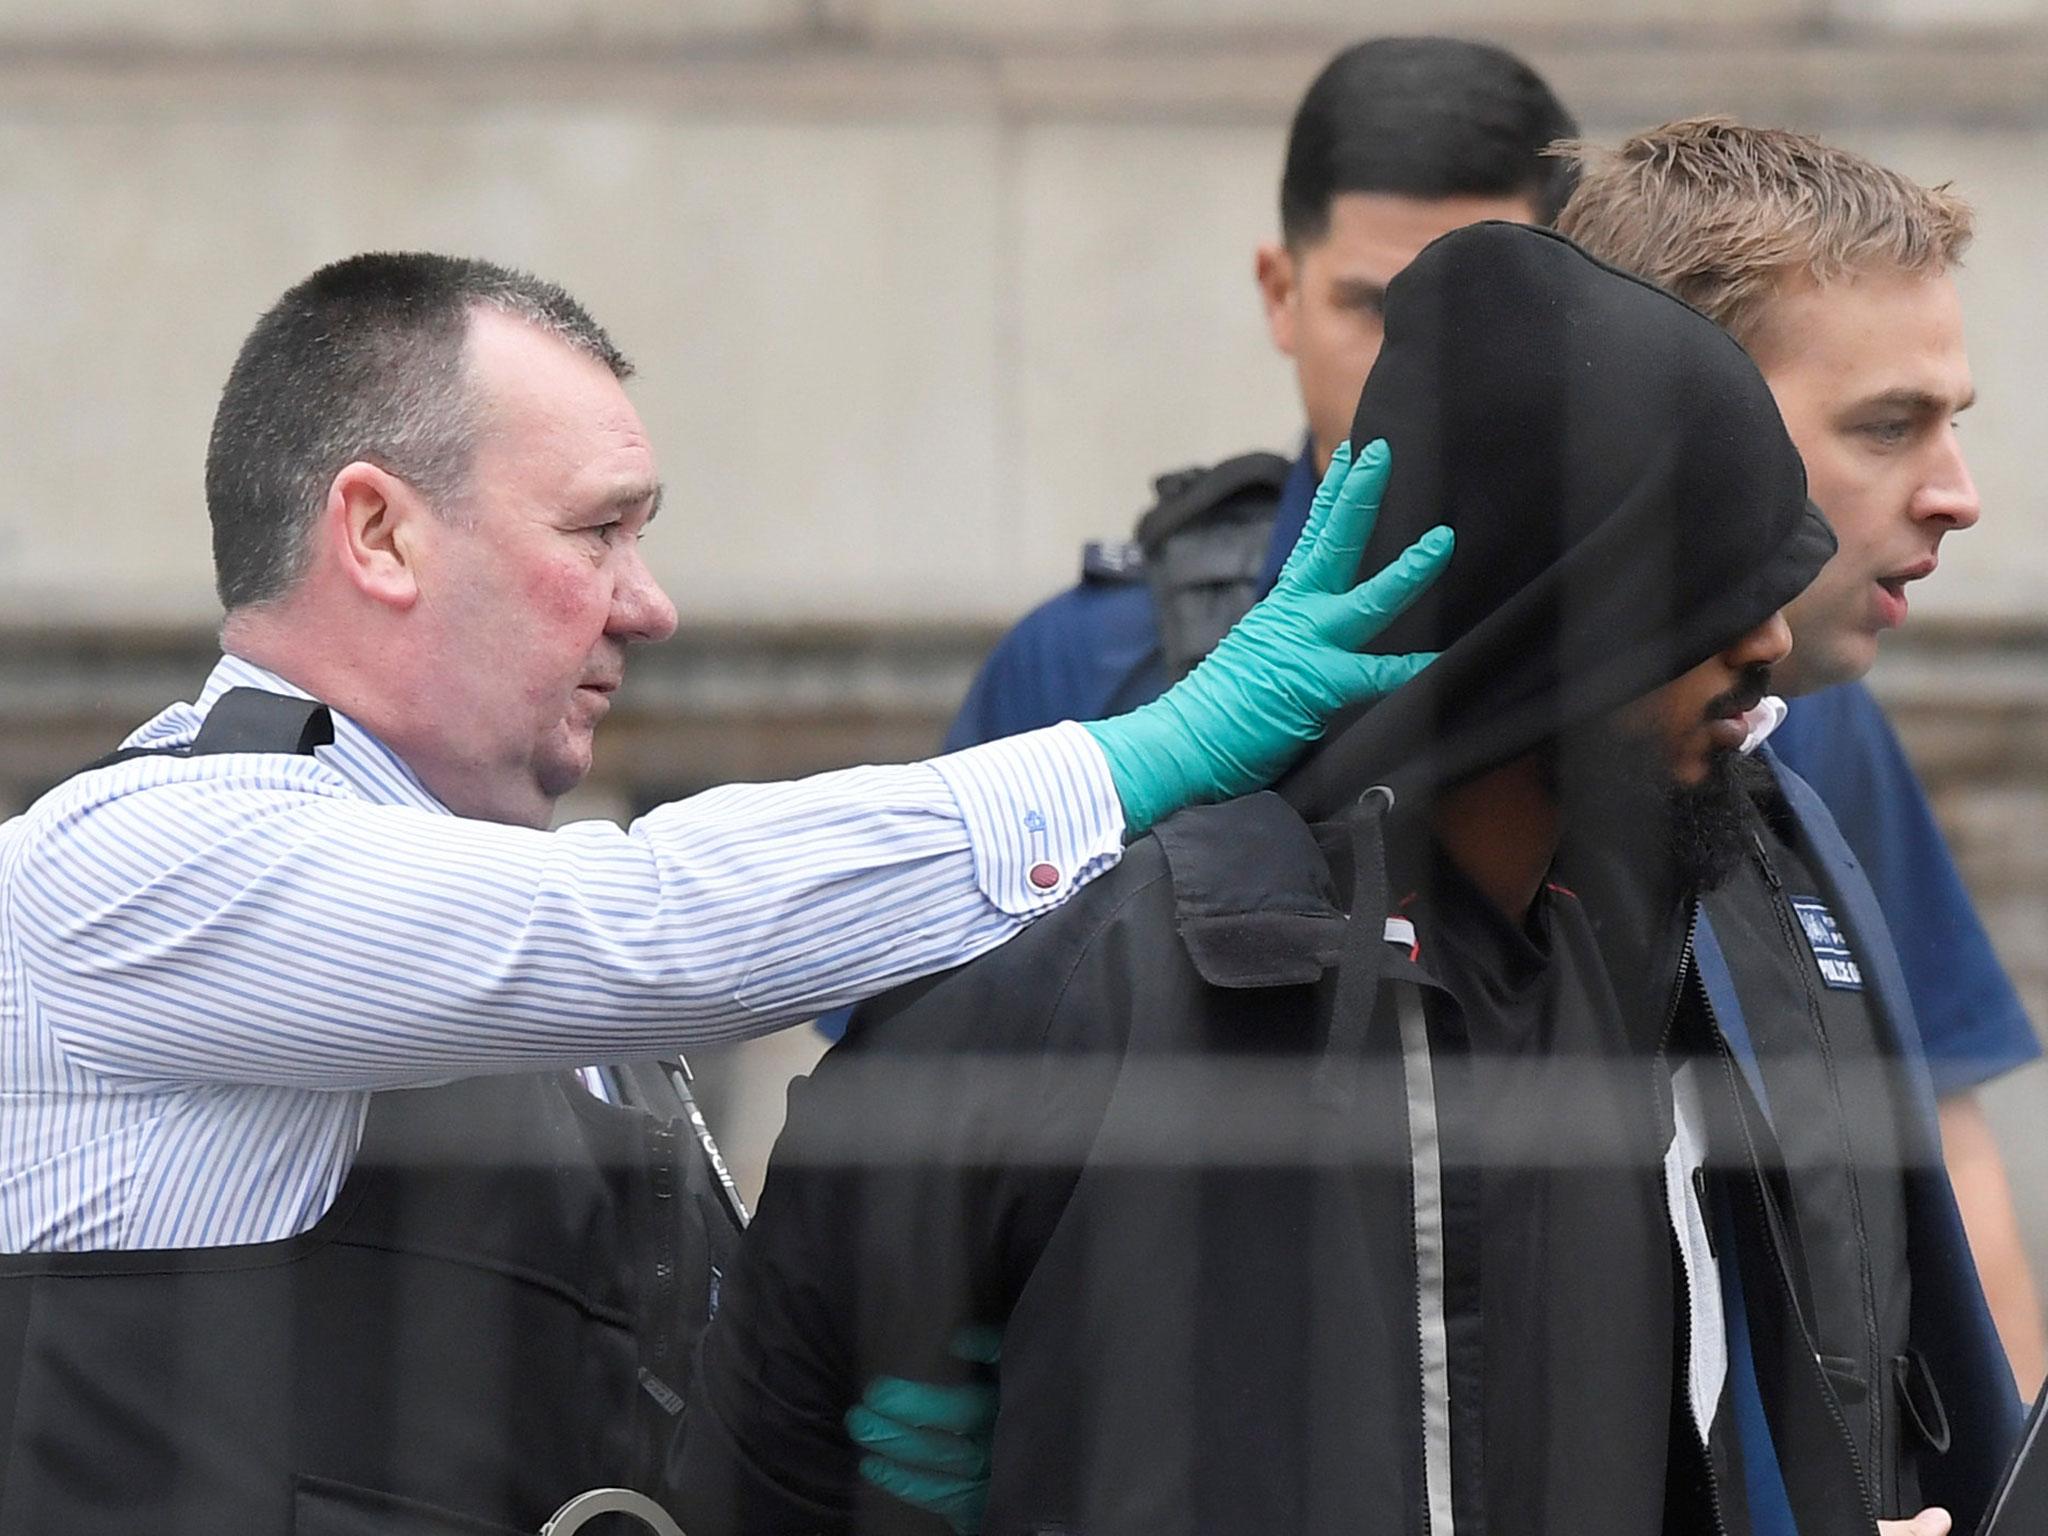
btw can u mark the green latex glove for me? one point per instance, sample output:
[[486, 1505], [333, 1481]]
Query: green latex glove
[[929, 1445], [1245, 713]]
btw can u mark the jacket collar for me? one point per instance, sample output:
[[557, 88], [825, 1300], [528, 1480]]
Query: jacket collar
[[1254, 903]]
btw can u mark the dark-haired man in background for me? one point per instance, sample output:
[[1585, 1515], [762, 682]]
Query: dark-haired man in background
[[1399, 140]]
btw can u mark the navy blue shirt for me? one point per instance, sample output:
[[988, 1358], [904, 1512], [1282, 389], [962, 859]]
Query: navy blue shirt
[[1094, 651]]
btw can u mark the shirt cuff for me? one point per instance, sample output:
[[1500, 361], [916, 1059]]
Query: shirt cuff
[[1041, 813]]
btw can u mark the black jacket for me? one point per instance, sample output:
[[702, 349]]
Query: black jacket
[[1215, 1280], [1196, 1182], [1885, 1295], [1048, 1178]]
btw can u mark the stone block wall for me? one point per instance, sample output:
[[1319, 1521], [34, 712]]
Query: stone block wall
[[923, 292]]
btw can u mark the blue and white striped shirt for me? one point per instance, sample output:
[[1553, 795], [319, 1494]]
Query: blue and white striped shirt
[[207, 964]]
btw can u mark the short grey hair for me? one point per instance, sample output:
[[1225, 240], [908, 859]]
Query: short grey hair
[[364, 360]]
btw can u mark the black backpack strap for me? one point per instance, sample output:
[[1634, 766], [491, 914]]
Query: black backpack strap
[[1117, 562], [1205, 548], [250, 720], [247, 720], [1192, 495]]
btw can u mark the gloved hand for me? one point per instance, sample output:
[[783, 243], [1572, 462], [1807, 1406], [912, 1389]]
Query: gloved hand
[[1235, 723], [929, 1445]]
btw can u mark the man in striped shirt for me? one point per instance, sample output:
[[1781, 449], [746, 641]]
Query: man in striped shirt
[[253, 1283]]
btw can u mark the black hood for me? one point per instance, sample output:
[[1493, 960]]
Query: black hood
[[1626, 500]]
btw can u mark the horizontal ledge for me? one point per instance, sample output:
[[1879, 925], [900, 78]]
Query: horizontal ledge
[[731, 701], [821, 670], [1933, 633], [1249, 77]]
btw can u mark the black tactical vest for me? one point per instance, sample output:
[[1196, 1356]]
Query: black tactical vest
[[1835, 1121], [1201, 549], [497, 1313]]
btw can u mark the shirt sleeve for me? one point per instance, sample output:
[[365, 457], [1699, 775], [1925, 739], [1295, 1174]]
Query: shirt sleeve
[[1971, 1018], [250, 919]]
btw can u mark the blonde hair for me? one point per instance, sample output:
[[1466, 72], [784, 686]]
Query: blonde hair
[[1723, 215]]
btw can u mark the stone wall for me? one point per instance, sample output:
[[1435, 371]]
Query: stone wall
[[923, 291]]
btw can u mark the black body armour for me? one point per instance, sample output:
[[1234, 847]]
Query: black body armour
[[497, 1313], [1835, 1121], [1200, 549]]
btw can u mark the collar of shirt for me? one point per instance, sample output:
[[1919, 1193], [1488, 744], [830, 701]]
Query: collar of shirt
[[1297, 496], [371, 768]]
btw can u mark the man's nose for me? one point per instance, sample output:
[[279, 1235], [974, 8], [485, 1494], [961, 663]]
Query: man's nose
[[1948, 495], [1766, 645], [640, 609]]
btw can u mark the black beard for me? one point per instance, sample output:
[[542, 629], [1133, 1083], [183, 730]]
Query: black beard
[[1710, 821], [1617, 789]]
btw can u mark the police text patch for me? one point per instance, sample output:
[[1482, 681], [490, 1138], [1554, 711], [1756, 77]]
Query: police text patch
[[1830, 946]]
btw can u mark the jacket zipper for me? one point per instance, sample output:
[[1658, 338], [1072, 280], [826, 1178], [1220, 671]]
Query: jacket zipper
[[1873, 1363], [1685, 968]]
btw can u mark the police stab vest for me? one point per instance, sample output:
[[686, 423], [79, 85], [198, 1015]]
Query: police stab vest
[[497, 1313]]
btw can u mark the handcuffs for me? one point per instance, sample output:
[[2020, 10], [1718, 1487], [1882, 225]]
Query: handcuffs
[[586, 1507]]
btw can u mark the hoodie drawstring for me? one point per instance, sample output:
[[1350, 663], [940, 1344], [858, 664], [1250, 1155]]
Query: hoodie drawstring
[[1358, 966]]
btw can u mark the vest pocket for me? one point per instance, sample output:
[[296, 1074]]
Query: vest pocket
[[323, 1507], [1851, 1390]]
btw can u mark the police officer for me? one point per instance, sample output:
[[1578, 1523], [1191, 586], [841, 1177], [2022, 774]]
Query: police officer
[[1837, 275], [1399, 140], [310, 1223]]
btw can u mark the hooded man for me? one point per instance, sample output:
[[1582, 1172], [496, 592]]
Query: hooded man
[[1340, 1161]]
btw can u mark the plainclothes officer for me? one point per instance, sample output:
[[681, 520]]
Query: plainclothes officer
[[312, 1225]]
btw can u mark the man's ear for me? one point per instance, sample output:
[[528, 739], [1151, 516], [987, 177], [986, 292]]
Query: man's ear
[[372, 525], [1275, 270]]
